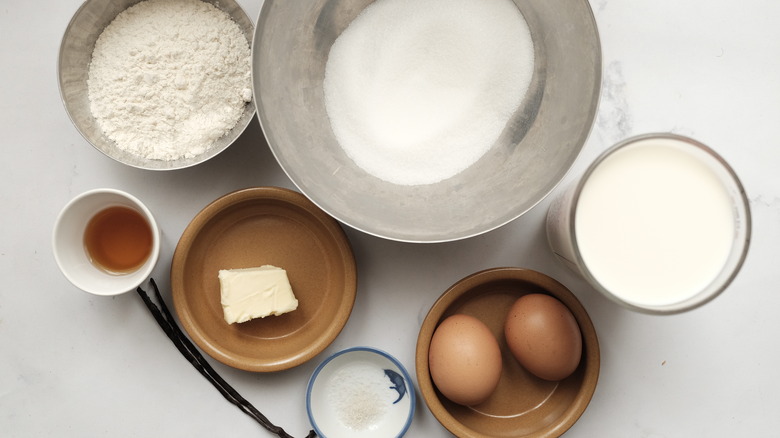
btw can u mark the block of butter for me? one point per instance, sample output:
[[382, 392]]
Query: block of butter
[[255, 293]]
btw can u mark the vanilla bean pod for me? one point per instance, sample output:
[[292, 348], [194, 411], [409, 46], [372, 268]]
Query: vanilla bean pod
[[227, 391], [191, 353], [187, 353]]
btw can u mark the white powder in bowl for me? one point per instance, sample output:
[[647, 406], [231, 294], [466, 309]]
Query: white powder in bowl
[[169, 77], [360, 394], [418, 90]]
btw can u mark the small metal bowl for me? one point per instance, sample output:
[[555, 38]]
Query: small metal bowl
[[537, 147], [78, 43]]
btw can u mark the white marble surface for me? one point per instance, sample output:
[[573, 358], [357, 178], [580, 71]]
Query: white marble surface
[[76, 365]]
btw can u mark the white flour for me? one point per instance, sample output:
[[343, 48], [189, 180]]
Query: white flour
[[169, 77], [418, 90]]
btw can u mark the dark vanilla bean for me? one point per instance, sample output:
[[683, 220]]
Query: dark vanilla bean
[[192, 354]]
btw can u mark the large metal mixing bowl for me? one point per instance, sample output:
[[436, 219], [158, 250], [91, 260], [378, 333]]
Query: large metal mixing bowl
[[78, 43], [539, 144]]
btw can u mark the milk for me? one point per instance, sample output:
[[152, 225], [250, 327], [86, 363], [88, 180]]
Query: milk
[[659, 223]]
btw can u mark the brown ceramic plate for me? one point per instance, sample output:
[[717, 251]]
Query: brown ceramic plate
[[264, 226], [522, 405]]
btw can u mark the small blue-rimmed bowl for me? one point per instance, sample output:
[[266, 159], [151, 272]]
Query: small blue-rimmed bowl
[[360, 392]]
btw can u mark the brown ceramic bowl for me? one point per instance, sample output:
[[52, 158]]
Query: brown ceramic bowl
[[522, 405], [255, 227]]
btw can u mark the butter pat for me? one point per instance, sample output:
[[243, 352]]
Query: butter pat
[[255, 293]]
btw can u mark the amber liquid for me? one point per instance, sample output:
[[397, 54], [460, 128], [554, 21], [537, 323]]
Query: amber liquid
[[118, 240]]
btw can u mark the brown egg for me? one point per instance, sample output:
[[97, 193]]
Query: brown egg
[[464, 360], [543, 335]]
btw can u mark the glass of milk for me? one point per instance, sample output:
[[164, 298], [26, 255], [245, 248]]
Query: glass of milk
[[658, 223]]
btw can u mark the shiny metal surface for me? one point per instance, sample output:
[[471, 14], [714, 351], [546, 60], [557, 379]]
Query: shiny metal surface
[[541, 141], [76, 48]]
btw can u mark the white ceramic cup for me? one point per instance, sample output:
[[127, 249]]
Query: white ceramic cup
[[629, 241], [71, 255]]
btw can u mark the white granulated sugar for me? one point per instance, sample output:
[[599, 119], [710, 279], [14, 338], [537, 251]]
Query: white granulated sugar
[[418, 90], [360, 394], [169, 77]]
